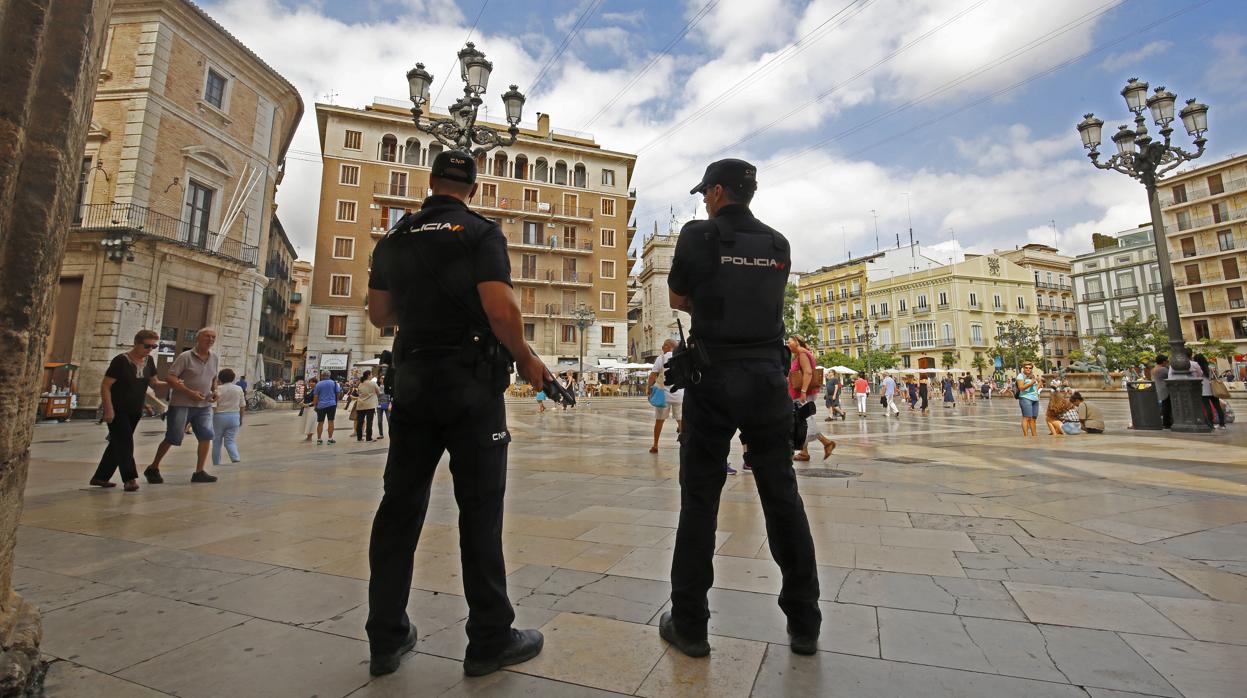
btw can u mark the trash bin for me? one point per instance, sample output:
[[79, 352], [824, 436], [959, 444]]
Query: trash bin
[[1144, 406]]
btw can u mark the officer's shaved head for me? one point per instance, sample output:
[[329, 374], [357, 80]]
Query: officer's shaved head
[[449, 187]]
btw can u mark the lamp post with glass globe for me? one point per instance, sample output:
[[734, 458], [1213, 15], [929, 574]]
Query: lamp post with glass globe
[[584, 317], [460, 131], [1146, 159]]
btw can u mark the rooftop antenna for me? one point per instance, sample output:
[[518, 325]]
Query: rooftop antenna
[[330, 96], [909, 215], [876, 215], [844, 238], [952, 253]]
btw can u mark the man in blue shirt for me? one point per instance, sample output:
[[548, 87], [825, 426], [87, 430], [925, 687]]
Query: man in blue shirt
[[325, 396]]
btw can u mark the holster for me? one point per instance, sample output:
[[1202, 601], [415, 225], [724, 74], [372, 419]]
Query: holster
[[482, 351]]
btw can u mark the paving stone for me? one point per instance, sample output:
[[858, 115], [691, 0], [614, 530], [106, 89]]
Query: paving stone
[[69, 679], [49, 591], [1197, 669], [596, 652], [1002, 545], [1101, 658], [912, 560], [113, 632], [968, 597], [1212, 621], [620, 598], [1087, 574], [968, 524], [975, 644], [728, 671], [418, 674], [504, 684], [176, 574], [1218, 544], [847, 628], [1222, 586], [287, 596], [258, 658], [1090, 608], [428, 611], [844, 676]]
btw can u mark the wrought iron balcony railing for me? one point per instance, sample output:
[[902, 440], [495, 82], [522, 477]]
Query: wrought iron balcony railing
[[142, 221]]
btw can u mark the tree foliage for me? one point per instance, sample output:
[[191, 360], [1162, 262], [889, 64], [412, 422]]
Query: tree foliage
[[1100, 241], [877, 360], [790, 309], [1016, 343], [948, 359], [980, 362], [1213, 349], [806, 327], [1131, 342]]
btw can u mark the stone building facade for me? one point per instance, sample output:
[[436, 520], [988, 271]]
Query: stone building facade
[[275, 316], [176, 192], [1054, 299], [1117, 282], [1205, 215], [562, 201], [656, 321], [296, 319]]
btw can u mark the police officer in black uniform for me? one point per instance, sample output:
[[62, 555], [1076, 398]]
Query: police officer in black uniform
[[730, 273], [443, 277]]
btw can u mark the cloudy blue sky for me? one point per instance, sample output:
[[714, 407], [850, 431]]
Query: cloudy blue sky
[[964, 109]]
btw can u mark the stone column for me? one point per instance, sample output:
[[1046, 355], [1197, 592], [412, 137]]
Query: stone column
[[50, 63]]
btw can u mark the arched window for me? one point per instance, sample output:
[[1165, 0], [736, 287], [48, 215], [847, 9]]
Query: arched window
[[521, 167], [389, 148], [541, 171], [435, 149], [580, 176], [480, 164], [500, 164], [560, 173], [411, 155]]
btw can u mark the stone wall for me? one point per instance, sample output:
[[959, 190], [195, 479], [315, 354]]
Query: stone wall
[[51, 59]]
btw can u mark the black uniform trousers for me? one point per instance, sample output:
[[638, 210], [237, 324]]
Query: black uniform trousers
[[119, 453], [441, 405], [750, 395]]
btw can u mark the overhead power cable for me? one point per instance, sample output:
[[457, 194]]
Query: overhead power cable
[[451, 69], [688, 26]]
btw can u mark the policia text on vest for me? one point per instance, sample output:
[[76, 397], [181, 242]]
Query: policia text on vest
[[444, 278], [729, 273]]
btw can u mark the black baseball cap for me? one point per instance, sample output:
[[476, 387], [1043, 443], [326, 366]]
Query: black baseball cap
[[731, 173], [455, 165]]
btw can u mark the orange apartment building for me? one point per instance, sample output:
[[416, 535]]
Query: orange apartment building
[[562, 201]]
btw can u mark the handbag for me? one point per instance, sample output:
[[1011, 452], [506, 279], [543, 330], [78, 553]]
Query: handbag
[[883, 401], [1220, 390], [658, 396]]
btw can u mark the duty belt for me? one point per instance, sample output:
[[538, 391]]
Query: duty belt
[[431, 351], [770, 349]]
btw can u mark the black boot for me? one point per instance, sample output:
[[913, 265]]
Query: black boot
[[382, 664], [668, 632], [524, 645]]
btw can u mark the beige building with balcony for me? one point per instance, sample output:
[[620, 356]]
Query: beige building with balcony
[[561, 199], [296, 319], [957, 308], [1054, 298], [1205, 215], [188, 134], [1114, 283]]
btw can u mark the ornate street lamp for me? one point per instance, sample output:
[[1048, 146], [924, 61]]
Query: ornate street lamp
[[1145, 159], [584, 317], [460, 131]]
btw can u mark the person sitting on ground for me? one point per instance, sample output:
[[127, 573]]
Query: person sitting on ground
[[1058, 405], [1089, 415]]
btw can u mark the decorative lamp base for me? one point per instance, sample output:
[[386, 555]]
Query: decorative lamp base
[[1187, 405]]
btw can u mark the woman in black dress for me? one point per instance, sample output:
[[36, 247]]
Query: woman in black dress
[[124, 391]]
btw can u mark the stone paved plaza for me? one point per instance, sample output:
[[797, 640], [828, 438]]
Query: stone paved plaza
[[963, 561]]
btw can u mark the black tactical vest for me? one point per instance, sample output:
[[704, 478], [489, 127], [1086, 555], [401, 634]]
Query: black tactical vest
[[743, 300]]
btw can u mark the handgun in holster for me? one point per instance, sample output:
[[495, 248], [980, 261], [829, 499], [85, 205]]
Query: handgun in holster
[[686, 363]]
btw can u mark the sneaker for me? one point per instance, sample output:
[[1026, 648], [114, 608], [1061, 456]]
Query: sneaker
[[802, 643], [524, 645], [153, 476], [320, 442], [201, 476], [382, 664], [668, 632], [747, 468], [729, 469], [332, 442]]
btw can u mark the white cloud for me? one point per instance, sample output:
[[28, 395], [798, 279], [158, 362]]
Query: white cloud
[[1119, 62], [1010, 181]]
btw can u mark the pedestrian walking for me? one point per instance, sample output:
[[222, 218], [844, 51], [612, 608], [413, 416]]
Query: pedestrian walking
[[832, 392], [887, 390], [326, 395], [946, 385], [193, 377], [231, 404], [861, 392], [369, 397], [911, 386], [1026, 390], [802, 388], [383, 409], [924, 393], [672, 400], [730, 273], [123, 392], [459, 327], [1213, 414], [541, 401]]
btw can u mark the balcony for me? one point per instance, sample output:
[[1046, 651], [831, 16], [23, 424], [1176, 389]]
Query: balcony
[[921, 309], [975, 306], [946, 342], [404, 193], [569, 278], [978, 342], [141, 221], [1194, 195], [941, 306], [904, 346], [1052, 286], [554, 244], [541, 208], [1209, 277], [1184, 224], [1093, 296], [1097, 331], [881, 315], [1127, 291], [296, 297], [902, 311], [844, 317], [855, 294], [857, 315]]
